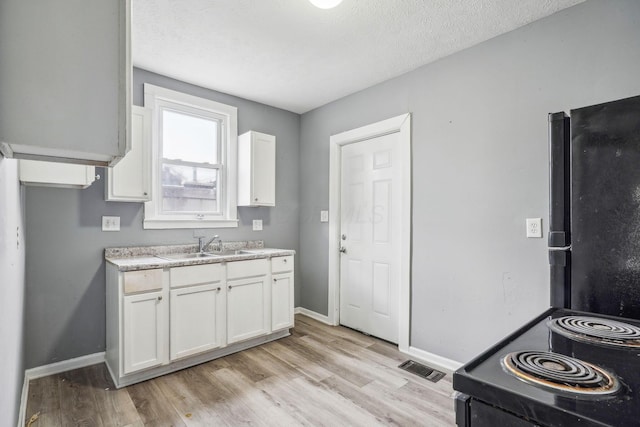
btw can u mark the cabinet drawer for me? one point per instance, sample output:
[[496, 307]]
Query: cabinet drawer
[[195, 274], [142, 281], [281, 264], [251, 268]]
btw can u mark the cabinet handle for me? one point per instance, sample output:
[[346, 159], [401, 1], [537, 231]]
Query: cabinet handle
[[284, 260], [160, 298], [218, 289], [145, 193], [275, 280], [230, 287], [256, 199]]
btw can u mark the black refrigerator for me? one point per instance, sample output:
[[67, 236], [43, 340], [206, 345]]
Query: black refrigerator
[[594, 219]]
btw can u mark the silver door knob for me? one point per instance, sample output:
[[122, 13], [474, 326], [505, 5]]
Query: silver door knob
[[343, 250]]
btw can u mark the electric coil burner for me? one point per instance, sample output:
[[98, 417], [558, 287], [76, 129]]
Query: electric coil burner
[[597, 331], [559, 372]]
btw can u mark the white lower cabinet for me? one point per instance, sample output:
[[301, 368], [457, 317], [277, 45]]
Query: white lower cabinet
[[162, 320], [144, 330]]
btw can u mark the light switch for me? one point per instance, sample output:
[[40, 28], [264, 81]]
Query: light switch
[[257, 225], [110, 223], [324, 216], [534, 227]]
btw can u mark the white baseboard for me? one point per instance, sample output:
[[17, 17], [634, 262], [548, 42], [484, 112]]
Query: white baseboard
[[312, 314], [63, 366], [433, 360], [52, 369]]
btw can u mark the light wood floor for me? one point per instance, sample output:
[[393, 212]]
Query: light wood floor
[[319, 376]]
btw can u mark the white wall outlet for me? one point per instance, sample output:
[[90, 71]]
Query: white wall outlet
[[324, 216], [257, 225], [534, 227], [110, 223]]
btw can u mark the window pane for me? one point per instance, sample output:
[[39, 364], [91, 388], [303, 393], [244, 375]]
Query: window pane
[[189, 138], [189, 189]]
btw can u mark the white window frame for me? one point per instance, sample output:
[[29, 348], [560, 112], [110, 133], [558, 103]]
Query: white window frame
[[156, 98]]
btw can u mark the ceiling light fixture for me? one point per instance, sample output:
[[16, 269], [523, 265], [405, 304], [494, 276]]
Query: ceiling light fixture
[[325, 4]]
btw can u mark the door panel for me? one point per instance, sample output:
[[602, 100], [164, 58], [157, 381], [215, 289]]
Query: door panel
[[144, 331], [369, 267], [247, 315], [196, 320]]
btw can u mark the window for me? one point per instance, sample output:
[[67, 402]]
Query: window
[[194, 148]]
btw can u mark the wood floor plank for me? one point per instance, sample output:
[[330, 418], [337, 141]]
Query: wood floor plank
[[278, 367], [44, 400], [77, 403], [379, 407], [320, 375], [152, 406], [355, 366], [180, 394], [436, 410], [281, 350], [232, 409], [266, 408], [327, 360], [321, 329], [114, 406]]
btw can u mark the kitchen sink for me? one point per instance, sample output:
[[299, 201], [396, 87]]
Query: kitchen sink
[[179, 257], [232, 252]]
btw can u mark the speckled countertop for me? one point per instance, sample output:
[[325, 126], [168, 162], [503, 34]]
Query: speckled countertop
[[147, 257]]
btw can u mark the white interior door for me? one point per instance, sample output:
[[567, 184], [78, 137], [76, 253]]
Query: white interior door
[[370, 236]]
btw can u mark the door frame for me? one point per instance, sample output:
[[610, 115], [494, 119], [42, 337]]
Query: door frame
[[402, 125]]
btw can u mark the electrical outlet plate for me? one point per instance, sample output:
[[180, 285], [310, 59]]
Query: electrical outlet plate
[[534, 227], [110, 223], [324, 216], [257, 225]]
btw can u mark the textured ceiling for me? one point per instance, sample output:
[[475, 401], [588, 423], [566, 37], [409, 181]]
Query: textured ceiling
[[292, 55]]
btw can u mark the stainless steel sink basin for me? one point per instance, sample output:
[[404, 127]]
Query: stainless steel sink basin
[[180, 257], [231, 252]]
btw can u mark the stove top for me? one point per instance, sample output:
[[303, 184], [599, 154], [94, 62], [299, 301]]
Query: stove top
[[557, 376]]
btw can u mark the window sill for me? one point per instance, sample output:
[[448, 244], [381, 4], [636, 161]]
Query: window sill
[[162, 224]]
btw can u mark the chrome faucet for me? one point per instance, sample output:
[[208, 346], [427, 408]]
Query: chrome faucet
[[202, 245]]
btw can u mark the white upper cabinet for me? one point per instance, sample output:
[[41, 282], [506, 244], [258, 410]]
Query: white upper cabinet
[[129, 180], [51, 174], [256, 169], [65, 80]]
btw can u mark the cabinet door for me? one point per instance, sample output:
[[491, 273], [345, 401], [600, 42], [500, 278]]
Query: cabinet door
[[145, 331], [264, 169], [197, 320], [247, 309], [256, 169], [282, 301], [129, 180], [50, 174]]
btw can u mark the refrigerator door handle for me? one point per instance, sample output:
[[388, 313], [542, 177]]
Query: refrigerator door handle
[[560, 277], [559, 180]]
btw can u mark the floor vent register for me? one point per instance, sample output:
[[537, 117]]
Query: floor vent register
[[422, 371]]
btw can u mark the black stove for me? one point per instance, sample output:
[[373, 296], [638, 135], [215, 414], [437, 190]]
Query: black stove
[[564, 368]]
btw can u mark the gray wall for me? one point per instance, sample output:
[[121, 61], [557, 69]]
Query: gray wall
[[12, 257], [65, 310], [479, 144]]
